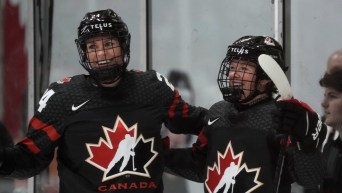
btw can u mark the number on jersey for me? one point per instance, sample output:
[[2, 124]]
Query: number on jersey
[[161, 78], [43, 101]]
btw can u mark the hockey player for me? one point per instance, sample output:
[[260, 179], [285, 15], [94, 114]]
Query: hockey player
[[91, 118], [246, 128]]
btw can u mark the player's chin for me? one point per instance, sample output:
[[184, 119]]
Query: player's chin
[[330, 121]]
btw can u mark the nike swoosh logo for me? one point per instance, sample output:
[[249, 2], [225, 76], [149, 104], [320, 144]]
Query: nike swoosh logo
[[213, 121], [75, 108]]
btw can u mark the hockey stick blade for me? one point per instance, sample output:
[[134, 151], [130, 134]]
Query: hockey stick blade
[[277, 75]]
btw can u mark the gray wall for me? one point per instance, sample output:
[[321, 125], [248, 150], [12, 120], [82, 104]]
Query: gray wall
[[315, 34]]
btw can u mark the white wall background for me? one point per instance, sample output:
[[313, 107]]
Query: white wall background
[[315, 34]]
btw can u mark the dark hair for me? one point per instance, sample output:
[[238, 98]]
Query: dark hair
[[332, 79]]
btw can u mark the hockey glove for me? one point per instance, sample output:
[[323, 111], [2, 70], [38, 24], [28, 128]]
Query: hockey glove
[[302, 124]]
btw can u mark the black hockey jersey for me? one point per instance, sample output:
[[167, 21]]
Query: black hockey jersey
[[108, 139], [239, 150]]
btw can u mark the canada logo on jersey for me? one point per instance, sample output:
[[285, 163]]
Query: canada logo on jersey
[[117, 154], [229, 174]]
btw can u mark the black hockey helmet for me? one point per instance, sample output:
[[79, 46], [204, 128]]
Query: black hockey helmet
[[248, 48], [104, 23]]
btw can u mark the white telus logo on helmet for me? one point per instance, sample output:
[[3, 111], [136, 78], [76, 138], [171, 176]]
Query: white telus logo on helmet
[[239, 50], [101, 25]]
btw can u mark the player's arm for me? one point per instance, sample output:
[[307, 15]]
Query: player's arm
[[188, 163], [179, 116], [184, 118], [36, 150]]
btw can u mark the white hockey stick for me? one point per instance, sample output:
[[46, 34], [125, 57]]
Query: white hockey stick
[[278, 77], [134, 168]]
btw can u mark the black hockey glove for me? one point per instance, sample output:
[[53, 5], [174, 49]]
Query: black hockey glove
[[302, 124]]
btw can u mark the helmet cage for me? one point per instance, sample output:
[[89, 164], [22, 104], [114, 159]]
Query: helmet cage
[[109, 72], [237, 89], [248, 49], [98, 24]]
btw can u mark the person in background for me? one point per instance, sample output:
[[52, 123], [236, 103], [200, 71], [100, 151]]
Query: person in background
[[331, 151], [334, 60], [238, 150], [93, 119], [332, 106]]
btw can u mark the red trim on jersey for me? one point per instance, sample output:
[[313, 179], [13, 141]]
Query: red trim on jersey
[[174, 104], [202, 139], [49, 129], [301, 103], [185, 112], [30, 145]]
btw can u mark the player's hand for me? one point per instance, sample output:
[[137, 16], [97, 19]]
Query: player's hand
[[301, 123]]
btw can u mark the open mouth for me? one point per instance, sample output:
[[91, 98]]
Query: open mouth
[[236, 84], [102, 62]]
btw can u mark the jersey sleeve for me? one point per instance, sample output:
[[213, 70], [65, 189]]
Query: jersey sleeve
[[184, 118], [181, 117], [36, 150], [188, 163]]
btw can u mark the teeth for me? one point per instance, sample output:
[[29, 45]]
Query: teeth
[[238, 84], [103, 61]]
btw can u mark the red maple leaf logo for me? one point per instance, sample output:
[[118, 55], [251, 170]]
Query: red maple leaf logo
[[102, 153], [215, 173]]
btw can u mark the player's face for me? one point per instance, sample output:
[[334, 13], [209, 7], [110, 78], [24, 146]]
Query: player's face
[[332, 105], [242, 74], [103, 51]]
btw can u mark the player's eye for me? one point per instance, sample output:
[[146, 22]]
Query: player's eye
[[91, 46], [108, 44]]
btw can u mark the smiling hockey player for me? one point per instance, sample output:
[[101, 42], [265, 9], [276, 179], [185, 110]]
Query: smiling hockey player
[[238, 149]]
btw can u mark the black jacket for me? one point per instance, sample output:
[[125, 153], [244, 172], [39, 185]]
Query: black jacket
[[333, 159]]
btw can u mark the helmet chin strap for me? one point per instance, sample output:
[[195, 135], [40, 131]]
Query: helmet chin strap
[[258, 95]]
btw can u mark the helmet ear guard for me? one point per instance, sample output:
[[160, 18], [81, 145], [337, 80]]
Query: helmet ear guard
[[104, 23]]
